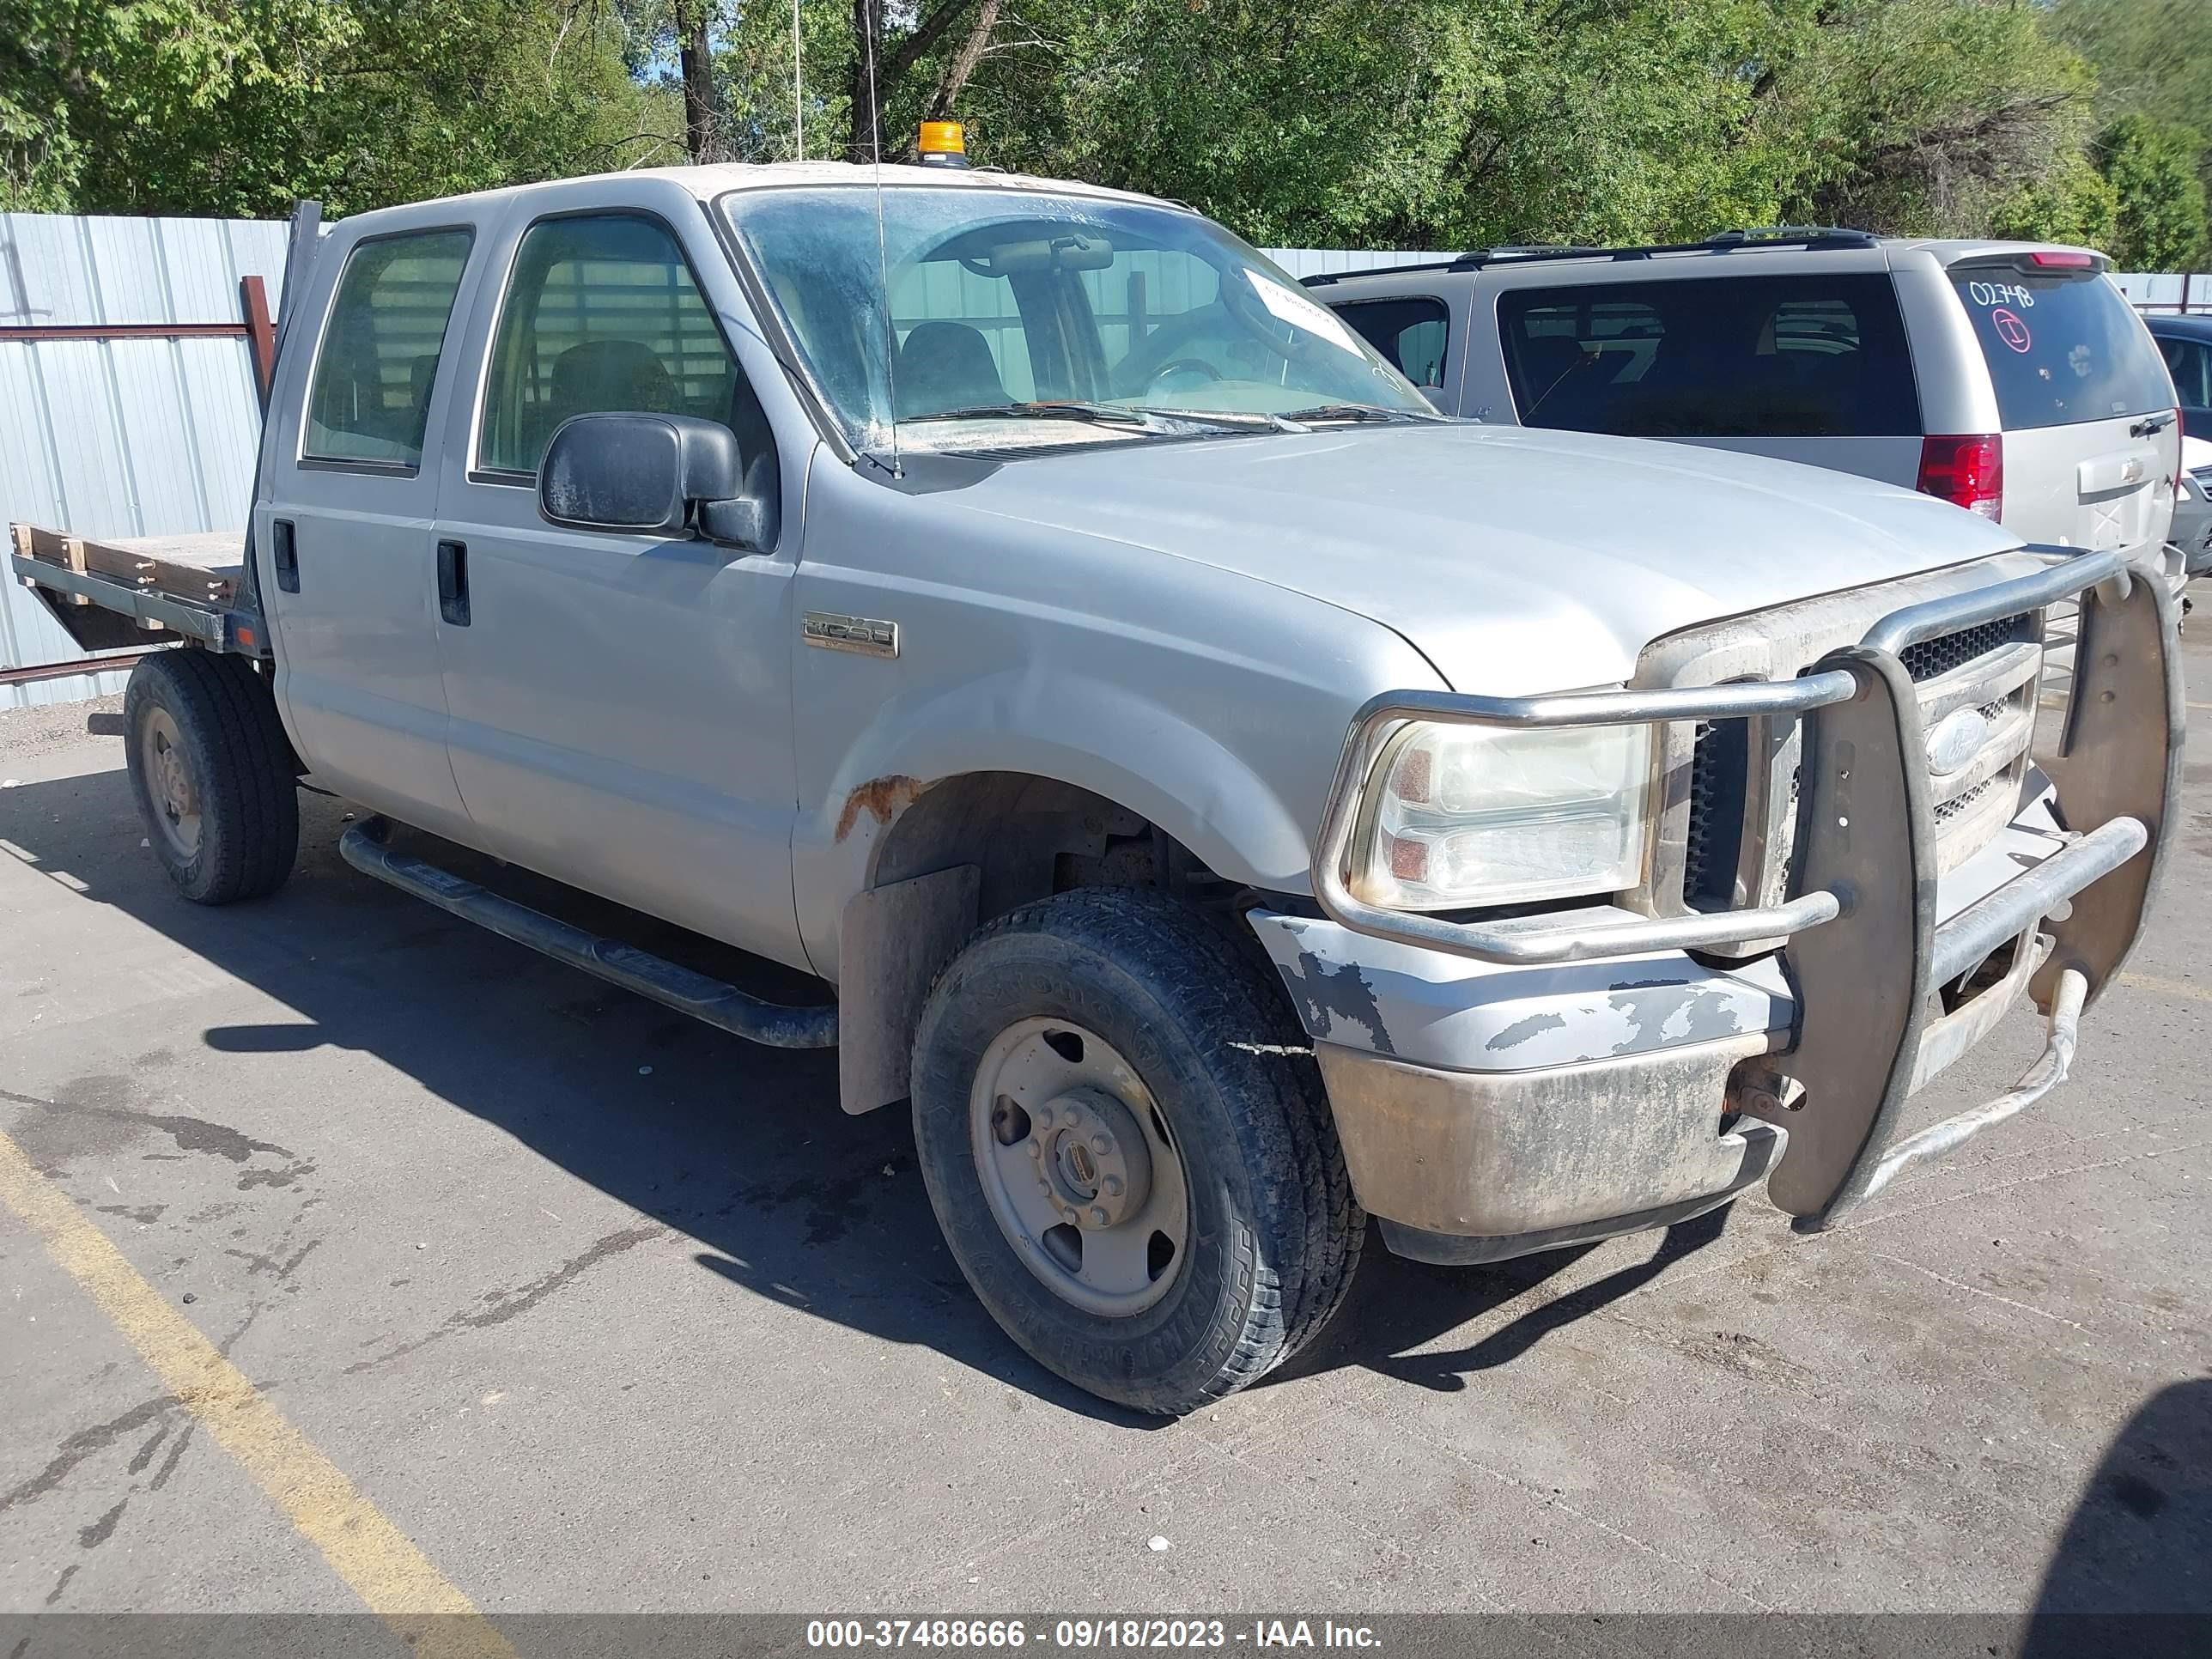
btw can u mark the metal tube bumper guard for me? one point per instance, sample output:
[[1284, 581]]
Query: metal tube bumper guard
[[1475, 1165]]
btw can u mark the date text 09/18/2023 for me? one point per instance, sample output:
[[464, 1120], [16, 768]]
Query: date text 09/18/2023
[[980, 1635]]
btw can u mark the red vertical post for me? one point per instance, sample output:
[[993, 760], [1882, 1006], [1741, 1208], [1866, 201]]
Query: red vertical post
[[260, 332]]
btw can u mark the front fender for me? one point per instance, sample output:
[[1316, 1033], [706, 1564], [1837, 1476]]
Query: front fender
[[1133, 749]]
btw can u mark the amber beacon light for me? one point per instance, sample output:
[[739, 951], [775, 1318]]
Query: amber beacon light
[[942, 144]]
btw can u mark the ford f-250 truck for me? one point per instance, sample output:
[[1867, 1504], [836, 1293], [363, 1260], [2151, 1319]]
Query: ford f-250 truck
[[1226, 799]]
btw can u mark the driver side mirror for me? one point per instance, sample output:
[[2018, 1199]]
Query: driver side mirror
[[649, 475]]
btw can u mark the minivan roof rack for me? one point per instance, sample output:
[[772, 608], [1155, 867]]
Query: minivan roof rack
[[1814, 238]]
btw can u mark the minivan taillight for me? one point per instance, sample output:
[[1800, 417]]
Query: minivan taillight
[[1966, 472]]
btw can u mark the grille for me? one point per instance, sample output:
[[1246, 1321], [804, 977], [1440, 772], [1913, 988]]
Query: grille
[[1719, 763], [1931, 658], [1946, 811], [1720, 769]]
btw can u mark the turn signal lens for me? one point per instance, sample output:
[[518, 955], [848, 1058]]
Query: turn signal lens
[[1965, 471]]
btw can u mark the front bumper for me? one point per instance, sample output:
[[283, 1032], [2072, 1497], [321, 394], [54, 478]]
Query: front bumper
[[1505, 1087]]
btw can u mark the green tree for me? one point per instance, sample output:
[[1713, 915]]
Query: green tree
[[2159, 220], [105, 103], [237, 107], [1930, 117]]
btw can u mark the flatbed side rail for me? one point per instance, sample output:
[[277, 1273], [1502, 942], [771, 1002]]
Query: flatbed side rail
[[1862, 947], [217, 628]]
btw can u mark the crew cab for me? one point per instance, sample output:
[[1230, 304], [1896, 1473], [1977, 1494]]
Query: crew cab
[[1226, 798]]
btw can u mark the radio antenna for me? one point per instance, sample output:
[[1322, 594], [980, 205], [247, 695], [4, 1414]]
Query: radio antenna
[[797, 88], [883, 260]]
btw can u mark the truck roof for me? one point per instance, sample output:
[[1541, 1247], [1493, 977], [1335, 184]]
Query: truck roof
[[718, 178]]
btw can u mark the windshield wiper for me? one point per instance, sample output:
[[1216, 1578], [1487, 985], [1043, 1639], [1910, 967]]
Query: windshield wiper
[[1122, 415], [1051, 409], [1362, 412]]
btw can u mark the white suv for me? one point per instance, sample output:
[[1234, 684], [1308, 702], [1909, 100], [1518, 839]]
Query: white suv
[[2013, 379]]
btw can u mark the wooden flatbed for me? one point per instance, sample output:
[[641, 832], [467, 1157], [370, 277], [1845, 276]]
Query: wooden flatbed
[[142, 590]]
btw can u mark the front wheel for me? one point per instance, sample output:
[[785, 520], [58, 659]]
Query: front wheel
[[1124, 1136]]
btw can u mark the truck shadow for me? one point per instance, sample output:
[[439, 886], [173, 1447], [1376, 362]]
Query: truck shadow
[[740, 1147], [1399, 1307], [2133, 1568]]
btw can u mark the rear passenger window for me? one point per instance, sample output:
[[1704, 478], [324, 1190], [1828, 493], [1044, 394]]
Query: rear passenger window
[[601, 315], [1410, 333], [1725, 357], [371, 395], [2061, 349]]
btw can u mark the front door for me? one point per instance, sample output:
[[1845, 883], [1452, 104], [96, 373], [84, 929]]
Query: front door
[[621, 704], [342, 534]]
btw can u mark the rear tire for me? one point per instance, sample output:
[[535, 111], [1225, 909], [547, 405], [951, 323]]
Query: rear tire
[[1045, 1044], [212, 774]]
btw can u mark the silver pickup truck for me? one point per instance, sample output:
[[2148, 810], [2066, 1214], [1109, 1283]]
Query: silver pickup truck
[[1226, 799]]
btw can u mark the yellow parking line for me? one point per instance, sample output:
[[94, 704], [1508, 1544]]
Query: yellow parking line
[[2167, 987], [378, 1561]]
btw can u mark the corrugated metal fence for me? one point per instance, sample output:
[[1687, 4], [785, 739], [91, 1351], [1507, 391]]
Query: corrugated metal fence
[[145, 436], [132, 436]]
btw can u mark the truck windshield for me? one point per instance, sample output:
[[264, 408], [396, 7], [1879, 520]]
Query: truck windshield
[[1082, 318]]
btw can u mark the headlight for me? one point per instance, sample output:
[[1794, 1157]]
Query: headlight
[[1466, 815]]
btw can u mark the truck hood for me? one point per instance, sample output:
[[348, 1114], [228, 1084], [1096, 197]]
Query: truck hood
[[1516, 561]]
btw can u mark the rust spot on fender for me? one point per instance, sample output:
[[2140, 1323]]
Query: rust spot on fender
[[880, 799]]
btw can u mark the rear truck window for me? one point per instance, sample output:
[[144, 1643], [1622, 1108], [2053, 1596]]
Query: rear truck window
[[2062, 347], [1808, 357]]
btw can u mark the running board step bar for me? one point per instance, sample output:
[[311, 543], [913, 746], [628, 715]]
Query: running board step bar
[[366, 848]]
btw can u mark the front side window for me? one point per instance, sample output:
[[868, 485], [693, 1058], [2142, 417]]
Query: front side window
[[2062, 347], [1410, 333], [601, 316], [1812, 356], [1082, 318], [371, 397]]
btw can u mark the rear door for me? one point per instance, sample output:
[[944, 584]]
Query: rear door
[[2091, 444], [1809, 366], [344, 534]]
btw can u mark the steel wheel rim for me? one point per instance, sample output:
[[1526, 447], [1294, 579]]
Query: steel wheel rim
[[170, 788], [1079, 1167]]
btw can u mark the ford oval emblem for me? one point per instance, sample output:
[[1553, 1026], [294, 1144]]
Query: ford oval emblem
[[1955, 739]]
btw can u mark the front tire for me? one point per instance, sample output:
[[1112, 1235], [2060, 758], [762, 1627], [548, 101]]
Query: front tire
[[211, 773], [1125, 1139]]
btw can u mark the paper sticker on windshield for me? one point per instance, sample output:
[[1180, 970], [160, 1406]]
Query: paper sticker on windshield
[[1288, 305], [2010, 329]]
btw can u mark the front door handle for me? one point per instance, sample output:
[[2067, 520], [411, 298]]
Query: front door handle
[[453, 582], [283, 555]]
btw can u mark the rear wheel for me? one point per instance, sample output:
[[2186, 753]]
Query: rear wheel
[[1124, 1139], [212, 774]]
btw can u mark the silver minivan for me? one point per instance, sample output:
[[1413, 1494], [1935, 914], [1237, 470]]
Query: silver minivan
[[2012, 379]]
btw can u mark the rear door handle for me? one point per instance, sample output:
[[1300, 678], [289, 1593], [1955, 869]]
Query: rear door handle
[[283, 555], [453, 582]]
